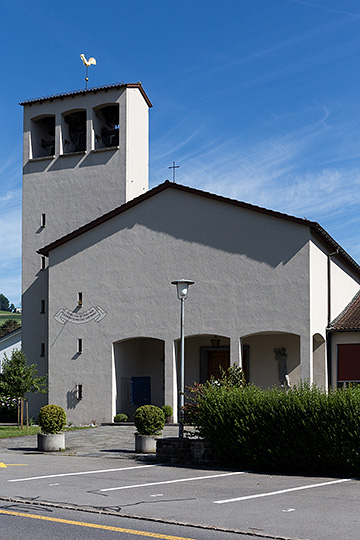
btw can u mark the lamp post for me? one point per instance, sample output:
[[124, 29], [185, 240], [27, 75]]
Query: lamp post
[[182, 288]]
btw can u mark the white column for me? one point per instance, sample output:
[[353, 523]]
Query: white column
[[235, 351], [170, 382]]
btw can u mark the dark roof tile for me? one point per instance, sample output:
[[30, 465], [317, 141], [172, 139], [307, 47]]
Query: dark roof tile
[[349, 318], [89, 91]]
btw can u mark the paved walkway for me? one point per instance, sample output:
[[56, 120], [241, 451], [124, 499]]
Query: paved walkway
[[117, 441]]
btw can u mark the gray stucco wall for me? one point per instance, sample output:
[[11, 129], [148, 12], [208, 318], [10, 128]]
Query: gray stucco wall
[[251, 274], [72, 189]]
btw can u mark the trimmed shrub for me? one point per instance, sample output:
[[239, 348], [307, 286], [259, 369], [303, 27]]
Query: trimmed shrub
[[52, 419], [121, 417], [149, 420], [303, 430], [167, 410]]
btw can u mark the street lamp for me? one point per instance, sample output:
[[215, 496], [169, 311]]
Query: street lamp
[[182, 288]]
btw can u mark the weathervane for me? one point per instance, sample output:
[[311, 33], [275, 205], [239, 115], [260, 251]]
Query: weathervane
[[173, 168], [87, 63]]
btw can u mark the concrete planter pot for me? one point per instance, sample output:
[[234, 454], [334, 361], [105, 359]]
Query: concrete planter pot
[[146, 444], [51, 442]]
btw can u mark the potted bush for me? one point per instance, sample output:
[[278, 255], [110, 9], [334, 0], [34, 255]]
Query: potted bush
[[149, 421], [121, 417], [168, 413], [51, 419]]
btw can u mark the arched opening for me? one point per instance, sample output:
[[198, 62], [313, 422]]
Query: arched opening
[[43, 136], [268, 356], [106, 126], [203, 356], [139, 374], [73, 130], [319, 361]]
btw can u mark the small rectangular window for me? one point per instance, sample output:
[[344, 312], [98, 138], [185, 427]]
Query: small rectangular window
[[42, 349], [43, 263], [80, 299], [42, 306], [79, 391], [80, 346], [43, 220]]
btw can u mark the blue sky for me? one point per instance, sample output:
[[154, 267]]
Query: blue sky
[[257, 100]]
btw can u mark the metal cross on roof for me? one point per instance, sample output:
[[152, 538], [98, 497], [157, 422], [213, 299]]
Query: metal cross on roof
[[173, 168]]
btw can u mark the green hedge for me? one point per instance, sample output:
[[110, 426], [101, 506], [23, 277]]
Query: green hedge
[[301, 430]]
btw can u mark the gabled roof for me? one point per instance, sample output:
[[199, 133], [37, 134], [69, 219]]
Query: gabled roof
[[90, 91], [349, 318], [10, 334], [317, 230]]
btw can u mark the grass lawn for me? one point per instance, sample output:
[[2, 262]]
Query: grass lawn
[[14, 431], [6, 315]]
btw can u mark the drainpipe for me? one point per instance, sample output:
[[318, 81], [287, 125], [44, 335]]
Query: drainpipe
[[328, 329]]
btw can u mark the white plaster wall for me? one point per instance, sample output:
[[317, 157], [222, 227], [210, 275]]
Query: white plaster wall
[[137, 144], [318, 289], [250, 272], [343, 288], [344, 285]]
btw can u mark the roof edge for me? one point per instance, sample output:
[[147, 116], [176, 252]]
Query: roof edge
[[93, 90], [313, 225]]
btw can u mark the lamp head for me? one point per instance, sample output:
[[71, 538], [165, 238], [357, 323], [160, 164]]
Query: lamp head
[[182, 287]]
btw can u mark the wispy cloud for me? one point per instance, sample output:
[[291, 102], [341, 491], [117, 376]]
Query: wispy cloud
[[269, 173], [10, 229], [327, 8]]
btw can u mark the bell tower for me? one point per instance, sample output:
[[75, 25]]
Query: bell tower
[[85, 153]]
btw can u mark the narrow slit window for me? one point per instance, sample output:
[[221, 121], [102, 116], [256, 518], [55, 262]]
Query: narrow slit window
[[80, 346], [80, 299], [79, 391], [43, 263], [42, 349], [43, 220], [42, 306]]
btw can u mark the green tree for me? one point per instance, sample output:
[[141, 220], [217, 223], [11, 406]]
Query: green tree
[[4, 303], [18, 377], [9, 326]]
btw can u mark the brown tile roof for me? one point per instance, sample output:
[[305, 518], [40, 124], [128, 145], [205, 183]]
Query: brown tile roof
[[316, 229], [349, 319], [89, 91]]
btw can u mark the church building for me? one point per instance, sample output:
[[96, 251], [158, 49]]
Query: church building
[[100, 315]]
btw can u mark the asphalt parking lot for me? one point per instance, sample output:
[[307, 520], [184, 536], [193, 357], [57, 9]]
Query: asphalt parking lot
[[274, 506]]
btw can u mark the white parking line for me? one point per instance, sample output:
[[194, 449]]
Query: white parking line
[[310, 486], [79, 473], [132, 486]]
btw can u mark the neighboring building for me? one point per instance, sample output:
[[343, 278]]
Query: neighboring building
[[344, 337], [100, 252], [8, 343]]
